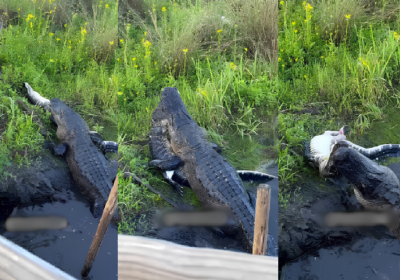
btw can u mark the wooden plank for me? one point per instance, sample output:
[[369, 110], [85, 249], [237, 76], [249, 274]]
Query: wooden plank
[[262, 218], [18, 263], [105, 220], [141, 258]]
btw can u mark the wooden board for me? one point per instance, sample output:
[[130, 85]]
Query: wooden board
[[141, 258]]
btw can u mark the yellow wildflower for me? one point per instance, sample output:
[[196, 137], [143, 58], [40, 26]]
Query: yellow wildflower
[[347, 17], [295, 31], [219, 31], [120, 93], [51, 60], [245, 49], [185, 50], [121, 40], [136, 66], [30, 16], [293, 22], [58, 39], [112, 43], [106, 5], [133, 58], [163, 9], [282, 2]]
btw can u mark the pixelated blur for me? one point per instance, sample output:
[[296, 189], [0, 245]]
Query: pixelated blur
[[389, 217], [203, 217], [35, 223]]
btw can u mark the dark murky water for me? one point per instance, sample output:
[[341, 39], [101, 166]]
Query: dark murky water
[[373, 255], [67, 249], [206, 237]]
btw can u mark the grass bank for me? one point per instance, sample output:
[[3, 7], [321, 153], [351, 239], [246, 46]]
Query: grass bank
[[338, 64], [63, 50], [220, 55]]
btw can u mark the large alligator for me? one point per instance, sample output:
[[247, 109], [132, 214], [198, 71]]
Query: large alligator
[[180, 147], [375, 186], [92, 172]]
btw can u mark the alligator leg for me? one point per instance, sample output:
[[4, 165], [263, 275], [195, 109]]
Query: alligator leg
[[216, 147], [59, 150], [164, 157], [180, 178], [97, 209], [104, 146], [109, 146], [96, 138], [168, 176]]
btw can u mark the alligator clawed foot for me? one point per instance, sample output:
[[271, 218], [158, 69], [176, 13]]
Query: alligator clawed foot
[[97, 209], [109, 146], [178, 188], [59, 150]]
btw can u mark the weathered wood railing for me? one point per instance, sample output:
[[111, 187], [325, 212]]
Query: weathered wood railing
[[16, 263], [141, 258]]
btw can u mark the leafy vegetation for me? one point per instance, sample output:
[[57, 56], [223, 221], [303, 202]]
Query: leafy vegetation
[[338, 64], [218, 54], [63, 50]]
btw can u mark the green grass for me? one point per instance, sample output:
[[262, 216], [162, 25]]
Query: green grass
[[223, 68], [345, 54], [63, 50]]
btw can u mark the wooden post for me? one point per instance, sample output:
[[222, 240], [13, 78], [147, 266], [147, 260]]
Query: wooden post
[[105, 220], [261, 220]]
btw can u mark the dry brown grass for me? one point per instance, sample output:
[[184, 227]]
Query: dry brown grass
[[250, 24]]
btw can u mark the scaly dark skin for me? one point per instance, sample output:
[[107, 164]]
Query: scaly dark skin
[[376, 186], [91, 170], [209, 174], [89, 167]]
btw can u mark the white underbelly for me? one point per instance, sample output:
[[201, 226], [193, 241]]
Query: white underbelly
[[321, 144]]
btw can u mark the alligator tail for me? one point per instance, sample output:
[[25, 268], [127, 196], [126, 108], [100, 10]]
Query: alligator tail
[[221, 179], [386, 150]]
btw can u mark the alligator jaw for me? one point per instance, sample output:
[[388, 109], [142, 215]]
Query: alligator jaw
[[36, 99]]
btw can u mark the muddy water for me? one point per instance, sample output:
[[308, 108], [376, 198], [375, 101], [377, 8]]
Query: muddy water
[[375, 254], [67, 249], [210, 238]]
